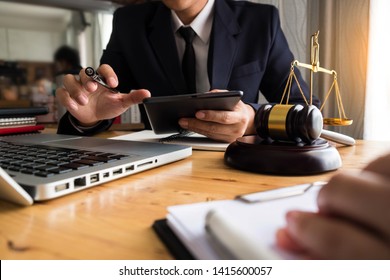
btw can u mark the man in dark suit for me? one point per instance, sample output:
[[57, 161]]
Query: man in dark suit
[[238, 45]]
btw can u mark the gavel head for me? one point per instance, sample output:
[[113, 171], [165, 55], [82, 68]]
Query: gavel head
[[294, 123]]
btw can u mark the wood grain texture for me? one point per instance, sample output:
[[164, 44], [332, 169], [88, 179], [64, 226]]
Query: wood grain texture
[[113, 220]]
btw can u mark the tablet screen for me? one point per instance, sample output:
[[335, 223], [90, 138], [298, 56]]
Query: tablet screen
[[164, 112]]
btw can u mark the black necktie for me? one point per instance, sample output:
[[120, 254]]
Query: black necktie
[[188, 63]]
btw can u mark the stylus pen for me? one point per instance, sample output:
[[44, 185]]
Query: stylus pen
[[99, 79], [338, 137]]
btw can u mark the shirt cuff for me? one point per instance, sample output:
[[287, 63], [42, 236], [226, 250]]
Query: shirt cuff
[[80, 128]]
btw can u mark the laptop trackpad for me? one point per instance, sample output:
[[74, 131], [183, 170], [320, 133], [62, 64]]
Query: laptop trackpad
[[115, 146], [94, 143], [104, 145]]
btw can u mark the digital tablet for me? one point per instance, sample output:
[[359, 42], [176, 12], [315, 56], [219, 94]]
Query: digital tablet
[[164, 112]]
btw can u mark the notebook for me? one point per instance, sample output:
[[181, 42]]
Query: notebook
[[48, 166], [22, 112], [21, 120], [242, 228]]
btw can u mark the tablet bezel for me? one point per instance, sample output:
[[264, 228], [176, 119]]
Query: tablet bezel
[[164, 112]]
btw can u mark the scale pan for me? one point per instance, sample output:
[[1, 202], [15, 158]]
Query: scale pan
[[337, 121]]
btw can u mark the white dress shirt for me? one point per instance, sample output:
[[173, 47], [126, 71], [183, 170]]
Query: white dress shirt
[[202, 25]]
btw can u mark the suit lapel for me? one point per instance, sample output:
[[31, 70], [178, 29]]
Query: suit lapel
[[223, 45], [163, 43]]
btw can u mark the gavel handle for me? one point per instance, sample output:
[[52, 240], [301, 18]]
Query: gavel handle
[[338, 137]]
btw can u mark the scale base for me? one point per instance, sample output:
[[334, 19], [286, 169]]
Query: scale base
[[252, 153]]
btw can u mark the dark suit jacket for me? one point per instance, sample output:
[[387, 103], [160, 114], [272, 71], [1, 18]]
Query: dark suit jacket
[[248, 51]]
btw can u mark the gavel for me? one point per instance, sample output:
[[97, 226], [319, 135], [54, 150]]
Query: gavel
[[293, 123]]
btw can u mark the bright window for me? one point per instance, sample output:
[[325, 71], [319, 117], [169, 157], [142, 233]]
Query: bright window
[[377, 113]]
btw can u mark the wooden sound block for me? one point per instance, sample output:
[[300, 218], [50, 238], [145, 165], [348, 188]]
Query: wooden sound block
[[252, 153]]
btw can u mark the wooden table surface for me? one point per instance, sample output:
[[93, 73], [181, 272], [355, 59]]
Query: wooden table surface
[[113, 220]]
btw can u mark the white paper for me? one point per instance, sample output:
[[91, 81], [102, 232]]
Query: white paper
[[259, 221], [196, 141]]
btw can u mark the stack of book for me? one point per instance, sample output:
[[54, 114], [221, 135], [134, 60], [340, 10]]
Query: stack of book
[[20, 120], [129, 120]]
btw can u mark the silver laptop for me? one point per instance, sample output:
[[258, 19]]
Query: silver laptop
[[40, 167]]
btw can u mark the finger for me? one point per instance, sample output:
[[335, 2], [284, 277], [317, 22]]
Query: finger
[[135, 97], [380, 166], [363, 198], [218, 90], [242, 117], [63, 97], [87, 82], [238, 114], [284, 241], [75, 89], [212, 130], [109, 75], [202, 127], [105, 71], [330, 238], [222, 117]]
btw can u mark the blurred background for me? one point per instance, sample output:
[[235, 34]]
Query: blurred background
[[41, 40]]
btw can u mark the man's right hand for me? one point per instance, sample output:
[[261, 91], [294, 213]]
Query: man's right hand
[[90, 103], [353, 220]]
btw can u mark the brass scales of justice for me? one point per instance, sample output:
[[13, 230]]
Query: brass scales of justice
[[288, 140]]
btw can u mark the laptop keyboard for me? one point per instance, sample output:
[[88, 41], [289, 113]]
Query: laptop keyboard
[[45, 161]]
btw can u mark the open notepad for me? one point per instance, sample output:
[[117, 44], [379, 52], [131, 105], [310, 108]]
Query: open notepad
[[196, 141], [245, 228]]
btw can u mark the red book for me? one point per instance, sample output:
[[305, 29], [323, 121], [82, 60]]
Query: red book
[[21, 129]]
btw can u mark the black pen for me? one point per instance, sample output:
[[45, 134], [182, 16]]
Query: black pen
[[99, 79]]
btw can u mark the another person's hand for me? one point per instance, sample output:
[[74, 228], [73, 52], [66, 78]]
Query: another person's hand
[[353, 220], [89, 102], [224, 126]]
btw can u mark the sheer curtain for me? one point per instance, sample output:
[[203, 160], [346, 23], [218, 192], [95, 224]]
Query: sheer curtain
[[294, 21], [355, 43], [90, 39], [102, 28], [343, 40], [377, 108]]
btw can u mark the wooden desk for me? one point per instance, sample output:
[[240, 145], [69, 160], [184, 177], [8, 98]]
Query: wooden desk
[[113, 221]]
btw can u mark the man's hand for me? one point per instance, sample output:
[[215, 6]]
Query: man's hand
[[89, 102], [353, 220], [224, 126]]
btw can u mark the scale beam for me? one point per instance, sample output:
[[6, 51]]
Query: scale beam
[[314, 67]]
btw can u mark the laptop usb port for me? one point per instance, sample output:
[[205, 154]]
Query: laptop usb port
[[80, 182], [94, 178], [61, 187], [117, 171], [129, 168]]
